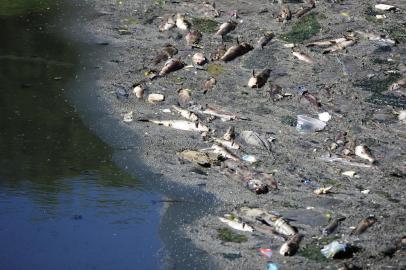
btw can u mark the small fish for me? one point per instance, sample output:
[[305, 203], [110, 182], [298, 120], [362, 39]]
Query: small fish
[[284, 14], [139, 90], [226, 28], [331, 250], [260, 79], [364, 225], [311, 99], [292, 246], [230, 134], [283, 227], [326, 42], [167, 24], [377, 37], [224, 152], [167, 52], [193, 38], [323, 190], [331, 227], [253, 138], [364, 152], [340, 46], [181, 22], [305, 9], [209, 85], [303, 57], [257, 186], [265, 39], [219, 53], [236, 51], [199, 59], [171, 65], [236, 223], [184, 97], [223, 115], [228, 144], [191, 116], [179, 124]]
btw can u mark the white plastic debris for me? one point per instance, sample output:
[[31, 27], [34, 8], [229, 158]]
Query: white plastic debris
[[366, 191], [380, 17], [384, 7], [154, 98], [307, 124], [402, 116], [249, 158], [349, 173], [324, 116], [330, 250], [128, 117]]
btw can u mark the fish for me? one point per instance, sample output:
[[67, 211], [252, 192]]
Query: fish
[[154, 98], [184, 97], [332, 226], [179, 124], [209, 85], [219, 53], [181, 22], [228, 144], [384, 7], [260, 79], [230, 134], [326, 42], [139, 90], [224, 152], [191, 116], [223, 115], [305, 9], [167, 24], [197, 157], [311, 99], [340, 46], [303, 57], [323, 190], [257, 186], [376, 37], [171, 65], [254, 214], [335, 158], [364, 225], [269, 231], [253, 138], [364, 152], [236, 51], [226, 28], [265, 39], [283, 227], [193, 38], [236, 223], [290, 247], [167, 52], [396, 87], [284, 14], [199, 59], [331, 250]]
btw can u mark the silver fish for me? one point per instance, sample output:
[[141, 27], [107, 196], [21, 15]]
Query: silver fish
[[340, 46], [223, 115], [236, 223], [323, 190], [265, 39], [228, 144], [326, 42], [283, 227], [186, 114], [258, 80], [255, 139], [171, 65], [303, 57], [292, 246], [219, 52], [179, 124], [236, 51], [199, 59], [218, 149], [226, 28]]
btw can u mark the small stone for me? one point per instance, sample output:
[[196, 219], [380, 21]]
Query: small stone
[[154, 98], [349, 173]]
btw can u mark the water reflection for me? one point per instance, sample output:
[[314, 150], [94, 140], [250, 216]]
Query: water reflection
[[63, 203]]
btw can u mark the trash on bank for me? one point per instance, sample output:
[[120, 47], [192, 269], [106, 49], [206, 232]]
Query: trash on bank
[[306, 124], [324, 116], [249, 158], [331, 250], [272, 266], [267, 252]]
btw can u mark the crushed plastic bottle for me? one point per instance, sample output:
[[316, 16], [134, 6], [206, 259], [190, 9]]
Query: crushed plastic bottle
[[272, 266], [307, 124]]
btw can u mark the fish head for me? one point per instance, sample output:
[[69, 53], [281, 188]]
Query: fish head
[[257, 186]]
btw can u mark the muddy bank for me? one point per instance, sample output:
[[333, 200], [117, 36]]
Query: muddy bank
[[350, 84]]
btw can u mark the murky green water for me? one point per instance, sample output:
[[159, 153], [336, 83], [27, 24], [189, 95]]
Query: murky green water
[[63, 203]]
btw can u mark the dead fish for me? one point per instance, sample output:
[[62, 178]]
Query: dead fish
[[226, 28], [376, 37], [197, 157], [223, 115], [181, 22], [311, 99], [364, 152], [340, 46], [167, 24], [199, 59], [326, 42], [209, 84], [268, 179], [292, 246], [335, 158], [230, 134], [283, 227], [257, 186], [323, 190], [255, 214], [184, 97], [394, 246], [193, 38], [236, 223], [224, 152], [228, 144], [260, 79], [167, 52], [191, 116], [171, 65], [384, 7], [332, 226], [305, 9], [265, 39], [253, 138], [179, 124], [303, 57], [236, 51], [139, 90], [219, 53], [395, 88], [284, 14], [364, 225], [269, 231]]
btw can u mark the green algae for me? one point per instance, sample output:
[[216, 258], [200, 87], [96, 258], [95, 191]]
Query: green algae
[[227, 235], [215, 69], [313, 252], [303, 29], [204, 25]]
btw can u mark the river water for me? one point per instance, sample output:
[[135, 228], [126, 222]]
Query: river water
[[64, 204]]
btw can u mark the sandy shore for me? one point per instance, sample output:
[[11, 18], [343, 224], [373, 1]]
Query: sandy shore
[[347, 84]]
